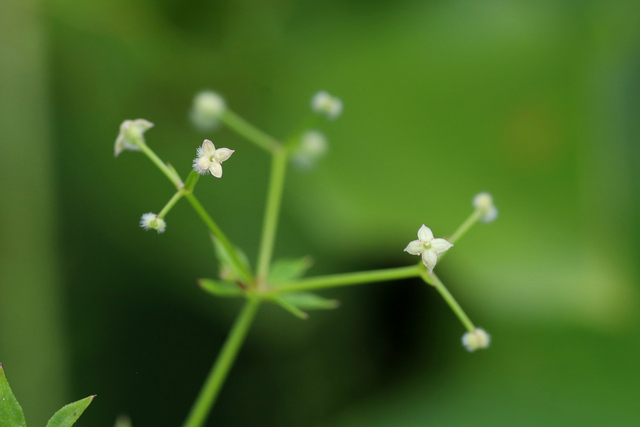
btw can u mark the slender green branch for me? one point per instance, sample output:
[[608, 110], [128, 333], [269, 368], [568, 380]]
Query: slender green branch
[[171, 203], [432, 279], [250, 132], [173, 177], [213, 227], [272, 211], [224, 362], [466, 225], [336, 280]]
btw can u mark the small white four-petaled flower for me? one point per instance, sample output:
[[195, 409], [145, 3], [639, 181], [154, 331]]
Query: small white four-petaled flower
[[210, 160], [130, 132], [427, 247], [151, 221]]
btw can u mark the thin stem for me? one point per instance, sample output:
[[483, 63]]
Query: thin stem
[[466, 225], [336, 280], [432, 279], [224, 362], [250, 132], [171, 203], [213, 227], [272, 211], [173, 177]]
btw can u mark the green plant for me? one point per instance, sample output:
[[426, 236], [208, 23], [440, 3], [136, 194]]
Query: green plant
[[280, 282], [11, 414]]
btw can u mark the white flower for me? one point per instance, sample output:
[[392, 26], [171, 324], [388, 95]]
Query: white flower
[[428, 247], [484, 203], [130, 131], [151, 221], [208, 107], [313, 146], [323, 103], [210, 160], [475, 340]]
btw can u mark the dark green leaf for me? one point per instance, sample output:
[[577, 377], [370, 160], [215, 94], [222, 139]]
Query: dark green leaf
[[230, 271], [289, 307], [11, 414], [68, 415], [310, 301], [220, 289], [286, 270]]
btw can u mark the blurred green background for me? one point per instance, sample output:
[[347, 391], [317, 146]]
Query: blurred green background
[[534, 101]]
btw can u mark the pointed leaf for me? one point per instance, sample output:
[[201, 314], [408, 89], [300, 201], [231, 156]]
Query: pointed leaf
[[229, 270], [10, 411], [68, 415], [220, 288], [289, 307], [288, 269], [310, 301]]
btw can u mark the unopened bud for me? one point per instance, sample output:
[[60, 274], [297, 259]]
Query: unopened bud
[[151, 221], [475, 340], [325, 104], [484, 203], [208, 107]]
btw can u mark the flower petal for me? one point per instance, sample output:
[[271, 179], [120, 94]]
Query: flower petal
[[414, 248], [429, 258], [440, 245], [222, 154], [216, 169], [208, 149], [425, 234]]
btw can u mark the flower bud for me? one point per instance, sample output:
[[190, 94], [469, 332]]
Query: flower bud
[[327, 105], [484, 203], [475, 340], [208, 107], [151, 221], [313, 146]]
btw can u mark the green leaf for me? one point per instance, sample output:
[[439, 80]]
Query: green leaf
[[310, 301], [288, 269], [220, 289], [11, 414], [230, 271], [289, 307], [69, 414]]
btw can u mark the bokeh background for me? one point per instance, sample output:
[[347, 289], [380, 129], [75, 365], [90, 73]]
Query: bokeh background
[[534, 101]]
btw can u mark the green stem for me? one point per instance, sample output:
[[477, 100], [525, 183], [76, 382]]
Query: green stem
[[213, 227], [466, 225], [171, 203], [224, 362], [250, 132], [272, 211], [173, 177], [432, 279], [336, 280]]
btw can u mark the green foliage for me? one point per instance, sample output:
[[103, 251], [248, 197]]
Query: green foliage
[[230, 270], [288, 269], [11, 414], [220, 288], [310, 301], [10, 411], [69, 414]]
